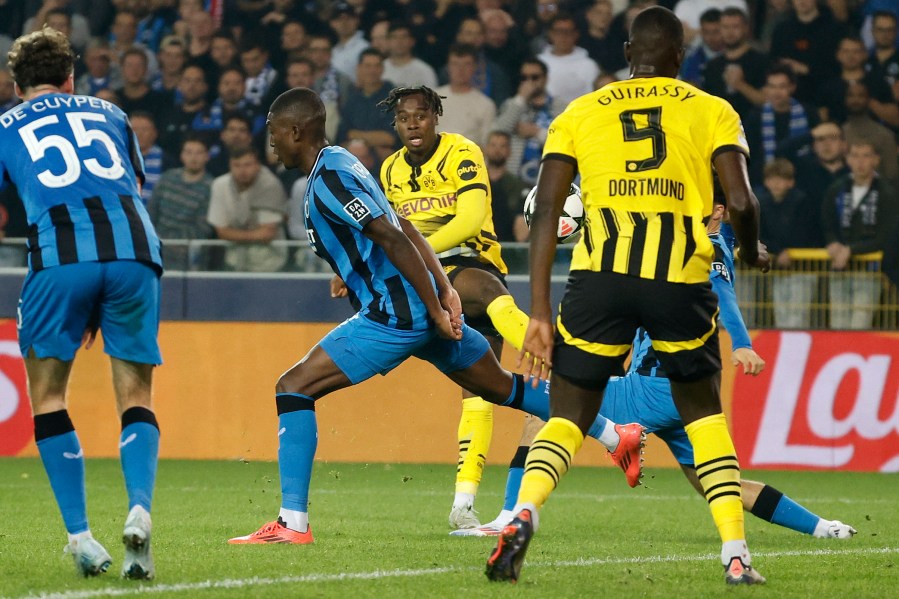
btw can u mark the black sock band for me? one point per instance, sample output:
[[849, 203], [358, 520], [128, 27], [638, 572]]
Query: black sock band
[[52, 424], [520, 457], [139, 414], [766, 503], [293, 402], [518, 384]]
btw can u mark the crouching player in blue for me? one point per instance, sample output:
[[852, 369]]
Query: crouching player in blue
[[644, 396], [94, 262], [405, 306]]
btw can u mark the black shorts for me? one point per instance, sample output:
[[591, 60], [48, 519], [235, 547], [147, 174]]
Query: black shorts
[[601, 312], [454, 265]]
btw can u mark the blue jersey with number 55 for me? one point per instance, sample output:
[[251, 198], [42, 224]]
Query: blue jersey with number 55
[[76, 163]]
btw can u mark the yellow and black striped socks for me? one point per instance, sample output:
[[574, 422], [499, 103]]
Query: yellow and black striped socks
[[719, 474], [548, 460], [475, 434]]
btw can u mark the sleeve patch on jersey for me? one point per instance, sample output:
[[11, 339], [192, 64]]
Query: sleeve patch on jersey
[[357, 210], [721, 268], [467, 170]]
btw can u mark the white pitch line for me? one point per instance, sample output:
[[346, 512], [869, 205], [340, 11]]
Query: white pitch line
[[256, 581]]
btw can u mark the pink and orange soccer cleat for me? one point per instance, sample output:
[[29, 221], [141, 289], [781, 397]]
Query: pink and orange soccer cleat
[[629, 454], [274, 532]]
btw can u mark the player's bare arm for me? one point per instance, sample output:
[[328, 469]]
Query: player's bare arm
[[404, 255], [553, 182], [743, 207], [446, 293]]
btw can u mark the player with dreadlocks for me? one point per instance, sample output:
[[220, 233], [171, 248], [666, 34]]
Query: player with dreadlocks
[[439, 182]]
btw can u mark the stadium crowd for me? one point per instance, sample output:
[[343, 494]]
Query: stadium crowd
[[816, 84]]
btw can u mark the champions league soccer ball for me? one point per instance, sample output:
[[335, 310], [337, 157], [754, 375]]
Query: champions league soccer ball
[[572, 218]]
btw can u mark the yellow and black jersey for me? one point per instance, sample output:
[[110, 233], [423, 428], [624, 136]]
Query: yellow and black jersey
[[427, 195], [644, 150]]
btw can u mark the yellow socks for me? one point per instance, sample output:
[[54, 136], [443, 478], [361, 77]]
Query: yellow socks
[[475, 434], [548, 460], [719, 473], [508, 320]]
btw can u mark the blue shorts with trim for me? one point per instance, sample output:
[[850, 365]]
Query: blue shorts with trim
[[647, 400], [59, 303], [362, 348]]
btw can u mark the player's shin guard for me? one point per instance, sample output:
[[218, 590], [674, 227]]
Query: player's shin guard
[[139, 452], [297, 442], [63, 460], [508, 320], [775, 507], [719, 474], [475, 434], [527, 399], [548, 460]]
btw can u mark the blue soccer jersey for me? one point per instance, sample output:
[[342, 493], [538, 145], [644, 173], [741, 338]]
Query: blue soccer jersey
[[76, 164], [341, 198]]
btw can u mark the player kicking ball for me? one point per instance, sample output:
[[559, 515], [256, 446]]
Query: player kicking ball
[[405, 305]]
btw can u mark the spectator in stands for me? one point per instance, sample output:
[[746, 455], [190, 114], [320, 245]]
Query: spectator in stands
[[526, 118], [172, 57], [806, 40], [859, 214], [153, 17], [377, 36], [360, 116], [738, 74], [786, 225], [547, 10], [110, 96], [123, 37], [489, 77], [223, 50], [506, 190], [13, 224], [710, 45], [401, 66], [180, 203], [780, 128], [236, 133], [851, 57], [201, 27], [155, 160], [774, 13], [58, 15], [501, 45], [350, 40], [101, 71], [135, 93], [293, 43], [248, 207], [597, 39], [690, 12], [331, 85], [570, 71], [817, 172], [186, 114], [8, 97], [260, 74], [885, 55], [232, 99], [466, 110], [860, 125]]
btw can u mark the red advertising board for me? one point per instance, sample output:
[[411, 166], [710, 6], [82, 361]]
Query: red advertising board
[[15, 414], [827, 400]]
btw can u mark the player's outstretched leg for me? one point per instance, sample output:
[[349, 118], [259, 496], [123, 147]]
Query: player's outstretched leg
[[769, 504], [139, 453], [297, 442]]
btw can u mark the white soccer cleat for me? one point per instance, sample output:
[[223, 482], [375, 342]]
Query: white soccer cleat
[[491, 529], [91, 558], [463, 517], [837, 530], [138, 564]]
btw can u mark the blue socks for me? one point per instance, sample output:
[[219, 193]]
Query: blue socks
[[297, 442], [527, 399], [513, 481], [139, 452], [63, 460], [777, 508]]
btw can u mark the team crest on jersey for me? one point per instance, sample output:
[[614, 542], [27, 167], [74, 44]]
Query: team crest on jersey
[[467, 170], [721, 269], [357, 209], [429, 182]]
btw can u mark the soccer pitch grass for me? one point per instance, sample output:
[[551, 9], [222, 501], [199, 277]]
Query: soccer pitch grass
[[381, 532]]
